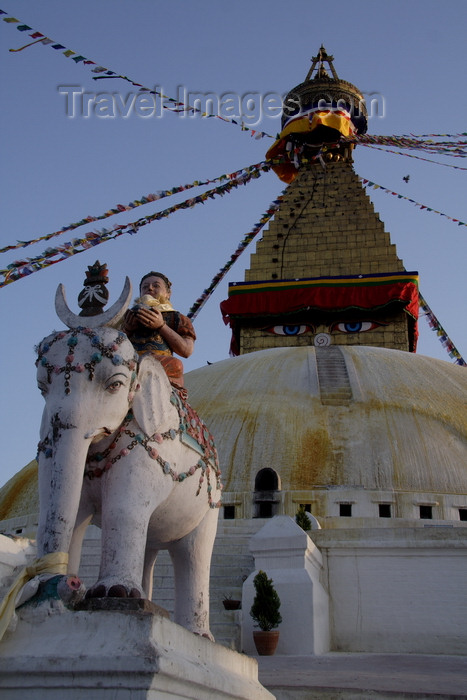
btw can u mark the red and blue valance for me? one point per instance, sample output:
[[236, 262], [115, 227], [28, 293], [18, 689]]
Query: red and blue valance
[[334, 294]]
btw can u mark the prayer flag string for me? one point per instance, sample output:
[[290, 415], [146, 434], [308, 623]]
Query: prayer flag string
[[441, 333], [412, 155], [405, 141], [433, 136], [202, 299], [105, 73], [455, 149], [373, 185], [119, 208], [51, 256]]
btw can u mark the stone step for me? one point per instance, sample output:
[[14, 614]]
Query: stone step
[[334, 383], [239, 527]]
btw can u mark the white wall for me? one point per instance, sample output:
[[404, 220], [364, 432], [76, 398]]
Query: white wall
[[397, 591]]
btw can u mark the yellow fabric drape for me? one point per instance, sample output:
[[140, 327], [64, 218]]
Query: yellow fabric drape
[[307, 123], [54, 563]]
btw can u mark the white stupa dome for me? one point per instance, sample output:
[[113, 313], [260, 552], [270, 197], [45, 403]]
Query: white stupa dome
[[365, 418]]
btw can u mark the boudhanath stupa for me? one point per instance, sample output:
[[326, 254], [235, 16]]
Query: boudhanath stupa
[[326, 404]]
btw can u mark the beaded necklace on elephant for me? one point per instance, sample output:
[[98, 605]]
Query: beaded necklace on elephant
[[204, 463]]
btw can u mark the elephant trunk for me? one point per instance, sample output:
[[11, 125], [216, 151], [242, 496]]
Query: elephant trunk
[[61, 470]]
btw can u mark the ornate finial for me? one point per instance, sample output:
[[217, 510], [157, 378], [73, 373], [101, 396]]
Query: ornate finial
[[95, 294], [111, 317], [321, 71], [97, 274], [318, 115]]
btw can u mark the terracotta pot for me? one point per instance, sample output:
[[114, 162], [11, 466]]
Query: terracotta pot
[[266, 642], [231, 604]]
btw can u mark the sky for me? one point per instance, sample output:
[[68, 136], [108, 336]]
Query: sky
[[61, 162]]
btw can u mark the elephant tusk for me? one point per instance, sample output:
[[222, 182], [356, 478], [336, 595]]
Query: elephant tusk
[[111, 317]]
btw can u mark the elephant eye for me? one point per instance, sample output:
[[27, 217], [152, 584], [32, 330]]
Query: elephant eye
[[43, 388], [113, 387], [115, 382]]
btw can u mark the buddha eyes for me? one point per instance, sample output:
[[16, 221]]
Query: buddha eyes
[[355, 326], [340, 327], [290, 330]]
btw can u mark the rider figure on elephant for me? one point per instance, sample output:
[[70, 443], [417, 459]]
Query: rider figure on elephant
[[154, 327]]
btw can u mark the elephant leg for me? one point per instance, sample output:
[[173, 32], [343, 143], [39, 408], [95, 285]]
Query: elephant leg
[[122, 556], [126, 510], [191, 558], [148, 571]]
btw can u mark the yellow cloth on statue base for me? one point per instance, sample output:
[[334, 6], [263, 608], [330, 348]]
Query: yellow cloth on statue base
[[54, 563]]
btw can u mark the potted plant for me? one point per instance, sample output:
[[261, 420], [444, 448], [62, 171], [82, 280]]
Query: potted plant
[[230, 603], [301, 518], [265, 612]]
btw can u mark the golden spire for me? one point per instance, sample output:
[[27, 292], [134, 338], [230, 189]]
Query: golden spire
[[321, 71]]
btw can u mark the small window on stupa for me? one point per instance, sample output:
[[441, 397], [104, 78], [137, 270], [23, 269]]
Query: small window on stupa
[[229, 512], [384, 510]]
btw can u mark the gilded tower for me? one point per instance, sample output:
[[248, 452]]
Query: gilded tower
[[325, 272]]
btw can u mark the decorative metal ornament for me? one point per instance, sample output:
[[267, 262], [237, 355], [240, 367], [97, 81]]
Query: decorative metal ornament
[[111, 317], [95, 294]]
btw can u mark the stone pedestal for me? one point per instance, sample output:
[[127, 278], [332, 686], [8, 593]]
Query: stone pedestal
[[288, 556], [56, 654]]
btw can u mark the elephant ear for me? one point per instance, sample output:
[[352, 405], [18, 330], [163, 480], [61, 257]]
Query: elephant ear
[[152, 408]]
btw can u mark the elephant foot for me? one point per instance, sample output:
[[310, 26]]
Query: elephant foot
[[115, 590]]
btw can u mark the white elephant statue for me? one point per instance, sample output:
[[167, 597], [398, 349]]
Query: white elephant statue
[[119, 448]]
